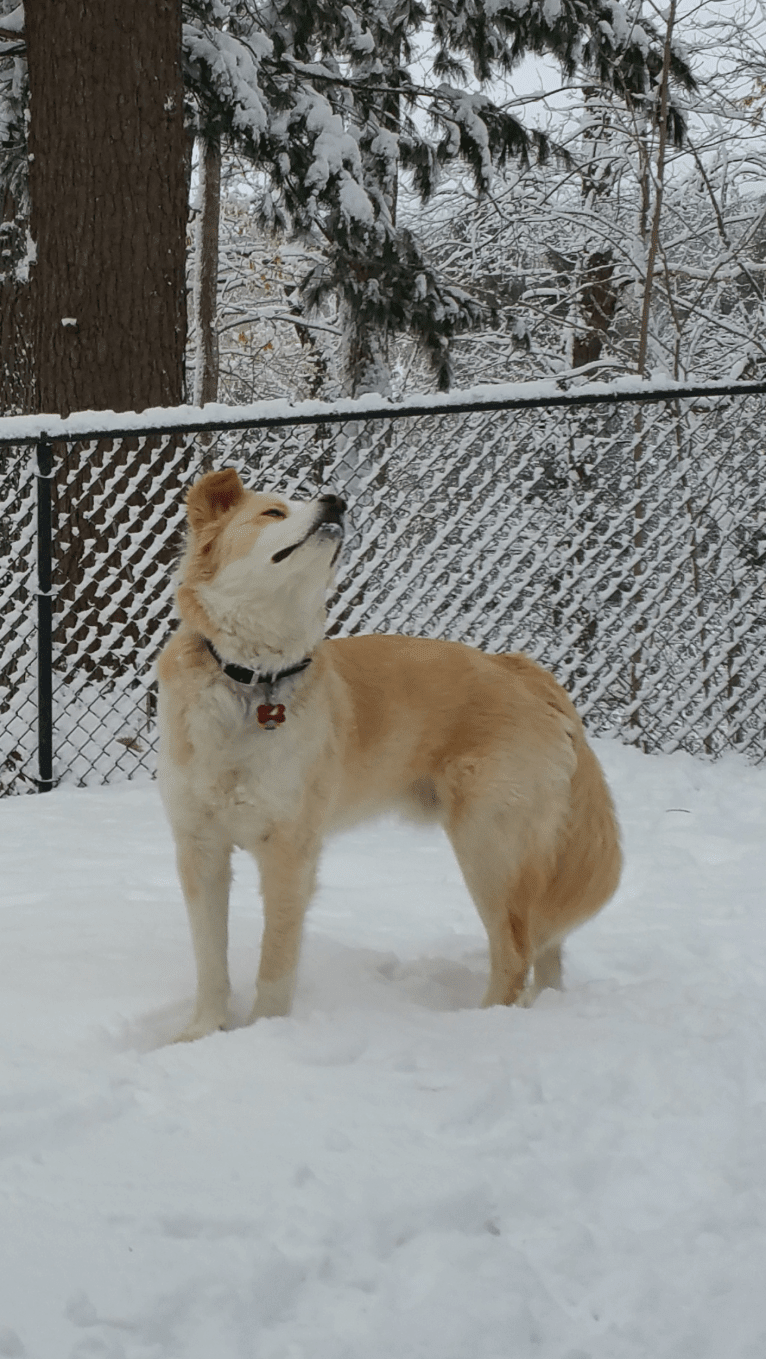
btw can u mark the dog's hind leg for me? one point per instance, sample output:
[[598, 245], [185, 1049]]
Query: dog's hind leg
[[501, 891], [546, 973], [505, 828], [204, 867], [548, 967], [287, 859]]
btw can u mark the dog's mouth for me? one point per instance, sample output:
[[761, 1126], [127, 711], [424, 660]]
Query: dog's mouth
[[328, 524]]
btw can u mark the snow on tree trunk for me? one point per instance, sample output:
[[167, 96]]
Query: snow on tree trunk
[[206, 272]]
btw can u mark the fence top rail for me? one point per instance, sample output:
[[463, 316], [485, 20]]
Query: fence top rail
[[81, 425]]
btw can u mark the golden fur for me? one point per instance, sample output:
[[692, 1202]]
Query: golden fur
[[490, 746]]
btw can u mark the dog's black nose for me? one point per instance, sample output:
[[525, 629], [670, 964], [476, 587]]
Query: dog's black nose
[[331, 509]]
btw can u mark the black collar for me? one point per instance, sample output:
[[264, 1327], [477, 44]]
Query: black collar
[[242, 675]]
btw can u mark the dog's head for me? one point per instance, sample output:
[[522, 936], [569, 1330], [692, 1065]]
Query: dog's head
[[256, 569]]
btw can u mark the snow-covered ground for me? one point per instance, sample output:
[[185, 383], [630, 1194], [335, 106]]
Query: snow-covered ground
[[390, 1173]]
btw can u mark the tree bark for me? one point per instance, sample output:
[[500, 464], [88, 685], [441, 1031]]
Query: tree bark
[[103, 314], [107, 184]]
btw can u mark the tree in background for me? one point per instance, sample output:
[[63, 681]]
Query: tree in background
[[332, 103], [564, 250], [329, 105], [555, 253], [94, 312], [93, 296]]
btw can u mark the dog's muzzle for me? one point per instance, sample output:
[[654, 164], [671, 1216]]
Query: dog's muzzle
[[329, 520], [327, 524]]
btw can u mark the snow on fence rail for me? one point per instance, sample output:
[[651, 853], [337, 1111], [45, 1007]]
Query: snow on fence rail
[[617, 534]]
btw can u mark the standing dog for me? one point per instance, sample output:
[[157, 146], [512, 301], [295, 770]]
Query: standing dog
[[271, 737]]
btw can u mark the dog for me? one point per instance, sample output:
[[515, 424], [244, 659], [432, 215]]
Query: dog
[[271, 737]]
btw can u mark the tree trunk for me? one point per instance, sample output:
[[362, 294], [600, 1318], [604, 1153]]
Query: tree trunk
[[108, 195], [597, 304], [365, 348], [104, 311], [638, 658], [364, 351]]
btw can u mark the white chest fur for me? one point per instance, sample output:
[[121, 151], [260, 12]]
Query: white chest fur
[[234, 770]]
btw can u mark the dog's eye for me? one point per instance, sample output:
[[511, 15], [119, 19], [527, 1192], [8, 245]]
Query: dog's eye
[[275, 514]]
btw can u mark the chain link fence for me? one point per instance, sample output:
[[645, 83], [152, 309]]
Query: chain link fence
[[617, 537]]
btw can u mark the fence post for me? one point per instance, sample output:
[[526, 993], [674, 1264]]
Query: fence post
[[44, 618]]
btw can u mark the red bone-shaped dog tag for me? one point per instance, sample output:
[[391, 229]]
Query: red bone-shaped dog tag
[[269, 714]]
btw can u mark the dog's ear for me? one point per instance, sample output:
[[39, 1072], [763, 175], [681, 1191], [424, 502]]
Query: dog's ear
[[212, 496]]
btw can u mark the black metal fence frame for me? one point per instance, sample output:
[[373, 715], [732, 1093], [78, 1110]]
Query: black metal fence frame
[[50, 430]]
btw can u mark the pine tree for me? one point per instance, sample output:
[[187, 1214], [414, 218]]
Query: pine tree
[[329, 102]]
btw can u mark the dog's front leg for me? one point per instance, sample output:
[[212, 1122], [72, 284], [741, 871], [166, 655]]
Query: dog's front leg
[[204, 867], [287, 860]]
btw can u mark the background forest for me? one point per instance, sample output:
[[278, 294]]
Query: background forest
[[394, 196], [555, 253], [240, 201]]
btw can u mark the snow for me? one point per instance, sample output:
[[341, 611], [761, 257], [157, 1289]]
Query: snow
[[390, 1171], [234, 69], [333, 148], [13, 23], [353, 201], [483, 396], [551, 11]]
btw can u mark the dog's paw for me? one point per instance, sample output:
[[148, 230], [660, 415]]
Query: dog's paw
[[199, 1027], [527, 997], [273, 999]]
